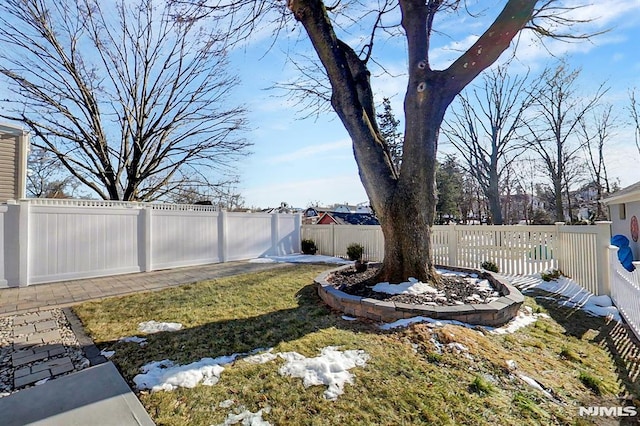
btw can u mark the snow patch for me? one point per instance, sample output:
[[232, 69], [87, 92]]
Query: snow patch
[[142, 341], [107, 354], [331, 368], [247, 418], [226, 403], [348, 318], [166, 376], [261, 358], [405, 322], [569, 293], [524, 318], [412, 286], [156, 327]]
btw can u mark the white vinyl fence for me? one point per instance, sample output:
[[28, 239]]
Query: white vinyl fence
[[54, 240], [579, 252], [625, 290]]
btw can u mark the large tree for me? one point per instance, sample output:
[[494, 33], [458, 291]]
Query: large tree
[[131, 101], [597, 133], [483, 127], [634, 110], [404, 200], [554, 130]]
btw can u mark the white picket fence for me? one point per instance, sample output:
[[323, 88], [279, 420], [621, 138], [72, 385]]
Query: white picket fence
[[54, 240], [625, 290], [578, 251]]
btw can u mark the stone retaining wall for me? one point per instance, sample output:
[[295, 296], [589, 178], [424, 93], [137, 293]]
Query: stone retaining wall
[[492, 314]]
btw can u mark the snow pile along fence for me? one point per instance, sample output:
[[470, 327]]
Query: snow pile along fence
[[625, 290]]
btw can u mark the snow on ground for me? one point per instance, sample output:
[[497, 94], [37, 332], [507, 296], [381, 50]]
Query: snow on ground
[[415, 320], [565, 291], [570, 294], [301, 258], [167, 376], [416, 287], [156, 327], [107, 354], [134, 339], [525, 317], [413, 286], [247, 418], [331, 368]]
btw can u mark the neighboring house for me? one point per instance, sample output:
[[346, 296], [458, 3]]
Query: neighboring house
[[313, 215], [284, 208], [518, 207], [624, 211], [14, 146], [338, 218]]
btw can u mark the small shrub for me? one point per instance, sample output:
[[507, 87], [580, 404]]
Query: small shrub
[[308, 247], [355, 251], [551, 275], [487, 265], [481, 386], [591, 382]]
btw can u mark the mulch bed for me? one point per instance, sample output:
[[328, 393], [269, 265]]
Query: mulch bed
[[452, 290]]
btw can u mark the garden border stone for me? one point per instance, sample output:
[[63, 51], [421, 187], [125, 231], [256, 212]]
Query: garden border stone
[[494, 314]]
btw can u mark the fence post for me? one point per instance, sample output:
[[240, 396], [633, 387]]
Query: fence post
[[275, 234], [144, 244], [17, 243], [333, 239], [559, 249], [603, 240], [222, 236], [452, 242], [298, 241], [3, 239]]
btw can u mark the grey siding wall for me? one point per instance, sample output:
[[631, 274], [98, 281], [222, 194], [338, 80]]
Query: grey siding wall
[[623, 225], [9, 162]]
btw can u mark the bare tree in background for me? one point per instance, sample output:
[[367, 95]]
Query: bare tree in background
[[554, 129], [46, 177], [596, 133], [131, 101], [404, 200], [634, 110], [483, 127]]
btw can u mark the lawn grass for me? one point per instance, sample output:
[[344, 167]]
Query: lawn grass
[[407, 380]]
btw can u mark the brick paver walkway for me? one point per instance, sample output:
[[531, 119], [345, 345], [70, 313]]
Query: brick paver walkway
[[37, 353], [66, 293]]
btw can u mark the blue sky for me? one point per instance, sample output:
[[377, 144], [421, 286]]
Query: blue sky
[[303, 161]]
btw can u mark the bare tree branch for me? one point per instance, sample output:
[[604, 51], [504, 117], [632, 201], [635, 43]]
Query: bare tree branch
[[122, 94]]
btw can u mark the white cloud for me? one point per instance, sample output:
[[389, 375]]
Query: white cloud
[[311, 151]]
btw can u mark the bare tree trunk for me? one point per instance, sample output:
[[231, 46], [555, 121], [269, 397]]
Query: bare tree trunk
[[493, 197], [404, 201]]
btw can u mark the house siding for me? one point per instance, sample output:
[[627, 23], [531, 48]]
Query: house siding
[[9, 162], [623, 226]]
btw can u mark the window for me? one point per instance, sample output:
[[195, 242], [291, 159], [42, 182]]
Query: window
[[623, 211]]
